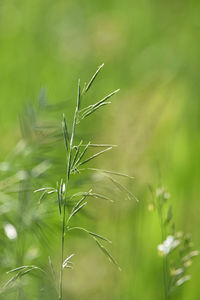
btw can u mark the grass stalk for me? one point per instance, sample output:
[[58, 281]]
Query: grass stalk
[[67, 184], [163, 235], [74, 161]]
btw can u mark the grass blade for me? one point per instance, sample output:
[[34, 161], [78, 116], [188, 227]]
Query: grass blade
[[90, 194], [59, 197], [106, 98], [76, 154], [88, 113], [67, 263], [65, 132], [73, 130], [91, 108], [11, 280], [95, 195], [23, 271], [93, 78], [122, 188], [17, 269], [94, 156], [92, 234], [101, 145], [106, 252], [82, 154], [52, 269], [81, 200], [24, 267], [45, 189], [110, 172], [76, 211], [42, 196]]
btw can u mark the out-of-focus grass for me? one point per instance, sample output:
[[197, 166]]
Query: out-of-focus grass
[[150, 49]]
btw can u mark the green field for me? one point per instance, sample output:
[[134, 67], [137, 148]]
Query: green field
[[151, 52]]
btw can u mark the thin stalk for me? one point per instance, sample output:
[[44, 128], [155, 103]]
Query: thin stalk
[[67, 183], [163, 234]]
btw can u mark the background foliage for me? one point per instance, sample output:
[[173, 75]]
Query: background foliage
[[150, 50]]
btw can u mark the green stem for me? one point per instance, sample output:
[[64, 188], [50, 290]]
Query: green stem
[[163, 234], [62, 253], [67, 183]]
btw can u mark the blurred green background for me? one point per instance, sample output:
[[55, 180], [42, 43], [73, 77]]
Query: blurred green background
[[151, 52]]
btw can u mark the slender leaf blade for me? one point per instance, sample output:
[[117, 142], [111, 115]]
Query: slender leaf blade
[[92, 79], [106, 252], [94, 156]]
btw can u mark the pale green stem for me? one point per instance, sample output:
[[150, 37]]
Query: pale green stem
[[67, 183]]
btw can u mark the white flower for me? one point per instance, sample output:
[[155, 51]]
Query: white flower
[[168, 245], [10, 231]]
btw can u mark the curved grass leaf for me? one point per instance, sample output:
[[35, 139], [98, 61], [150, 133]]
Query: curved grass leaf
[[94, 195], [92, 234], [23, 270], [24, 267], [45, 189]]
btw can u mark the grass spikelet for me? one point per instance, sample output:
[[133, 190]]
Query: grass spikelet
[[65, 132], [86, 89], [92, 234], [76, 211], [94, 156], [52, 268], [123, 188], [92, 108], [106, 252], [81, 155], [111, 172], [81, 200]]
